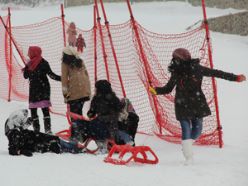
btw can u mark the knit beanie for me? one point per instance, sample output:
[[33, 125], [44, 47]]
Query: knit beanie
[[103, 87], [181, 54]]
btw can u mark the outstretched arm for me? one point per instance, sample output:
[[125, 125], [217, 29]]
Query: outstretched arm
[[51, 74], [205, 71], [168, 87]]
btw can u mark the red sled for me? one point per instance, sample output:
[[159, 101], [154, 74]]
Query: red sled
[[135, 153], [66, 134]]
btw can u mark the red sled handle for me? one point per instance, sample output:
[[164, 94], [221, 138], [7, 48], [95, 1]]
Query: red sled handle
[[122, 149], [142, 150]]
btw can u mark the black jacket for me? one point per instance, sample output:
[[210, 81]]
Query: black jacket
[[107, 108], [39, 86], [103, 105], [26, 142], [190, 102]]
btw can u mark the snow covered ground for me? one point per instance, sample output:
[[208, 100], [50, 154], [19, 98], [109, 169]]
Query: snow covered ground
[[213, 166]]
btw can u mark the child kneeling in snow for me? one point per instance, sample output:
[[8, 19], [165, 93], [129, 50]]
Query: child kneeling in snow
[[25, 142]]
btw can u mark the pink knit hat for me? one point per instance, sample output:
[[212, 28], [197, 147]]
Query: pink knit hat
[[182, 54]]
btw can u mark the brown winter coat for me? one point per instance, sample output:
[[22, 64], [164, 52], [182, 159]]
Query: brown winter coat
[[75, 82]]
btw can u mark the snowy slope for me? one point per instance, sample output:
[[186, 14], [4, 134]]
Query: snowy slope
[[213, 166]]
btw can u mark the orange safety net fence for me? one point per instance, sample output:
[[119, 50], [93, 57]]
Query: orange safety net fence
[[4, 60], [157, 49]]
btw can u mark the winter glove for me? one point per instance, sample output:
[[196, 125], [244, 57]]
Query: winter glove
[[25, 68], [241, 78], [67, 96], [152, 90], [26, 73], [91, 114]]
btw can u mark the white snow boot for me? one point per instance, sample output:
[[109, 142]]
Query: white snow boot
[[187, 151]]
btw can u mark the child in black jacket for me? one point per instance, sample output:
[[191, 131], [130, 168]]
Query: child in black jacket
[[36, 71], [190, 102]]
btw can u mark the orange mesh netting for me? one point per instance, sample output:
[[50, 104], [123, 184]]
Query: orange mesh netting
[[136, 72], [4, 60], [158, 49]]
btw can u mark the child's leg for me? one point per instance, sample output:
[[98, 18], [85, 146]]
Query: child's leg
[[35, 118], [79, 130], [47, 120], [186, 129], [196, 128], [124, 137], [187, 141], [69, 146], [132, 122], [98, 130], [80, 49], [76, 106]]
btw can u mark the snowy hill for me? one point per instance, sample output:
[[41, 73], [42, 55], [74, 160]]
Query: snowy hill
[[213, 166]]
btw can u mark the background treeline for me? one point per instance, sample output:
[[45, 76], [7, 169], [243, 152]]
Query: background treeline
[[237, 4], [30, 3]]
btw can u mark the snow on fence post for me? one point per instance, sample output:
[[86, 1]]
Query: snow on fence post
[[113, 50], [219, 128], [63, 22], [102, 41], [145, 61], [10, 55]]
